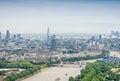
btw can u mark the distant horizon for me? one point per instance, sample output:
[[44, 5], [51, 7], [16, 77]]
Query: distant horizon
[[62, 16], [63, 28], [45, 33]]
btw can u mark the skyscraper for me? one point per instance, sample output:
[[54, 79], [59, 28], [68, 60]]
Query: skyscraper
[[18, 36], [7, 38], [117, 33], [93, 39], [100, 37], [53, 43], [112, 33], [14, 36], [0, 36], [48, 34]]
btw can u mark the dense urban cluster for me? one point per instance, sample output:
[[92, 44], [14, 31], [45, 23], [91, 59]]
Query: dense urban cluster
[[57, 48], [18, 47]]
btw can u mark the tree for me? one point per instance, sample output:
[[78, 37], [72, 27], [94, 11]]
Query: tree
[[71, 79], [95, 79], [99, 71]]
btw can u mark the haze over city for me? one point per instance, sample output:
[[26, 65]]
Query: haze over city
[[59, 40], [62, 16]]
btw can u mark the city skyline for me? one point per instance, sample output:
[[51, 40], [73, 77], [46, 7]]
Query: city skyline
[[74, 16]]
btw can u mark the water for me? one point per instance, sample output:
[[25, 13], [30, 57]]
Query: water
[[53, 73]]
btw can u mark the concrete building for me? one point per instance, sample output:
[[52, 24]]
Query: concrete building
[[53, 42]]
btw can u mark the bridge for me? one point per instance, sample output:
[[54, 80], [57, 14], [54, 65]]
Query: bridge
[[66, 65], [76, 64]]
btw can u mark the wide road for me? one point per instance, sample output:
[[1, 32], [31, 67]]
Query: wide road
[[51, 74]]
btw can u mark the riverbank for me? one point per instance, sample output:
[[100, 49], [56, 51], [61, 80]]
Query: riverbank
[[35, 73], [61, 73]]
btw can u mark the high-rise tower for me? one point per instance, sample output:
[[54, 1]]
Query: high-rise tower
[[7, 38], [93, 39], [0, 36], [53, 42], [48, 34], [100, 37]]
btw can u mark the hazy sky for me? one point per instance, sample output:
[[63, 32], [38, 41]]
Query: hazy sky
[[62, 16]]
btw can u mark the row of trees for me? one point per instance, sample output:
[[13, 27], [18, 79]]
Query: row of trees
[[22, 65], [29, 67], [99, 72], [82, 58], [24, 73], [104, 52], [2, 72]]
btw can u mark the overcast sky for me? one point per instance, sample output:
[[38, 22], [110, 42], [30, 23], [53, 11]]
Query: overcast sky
[[61, 16]]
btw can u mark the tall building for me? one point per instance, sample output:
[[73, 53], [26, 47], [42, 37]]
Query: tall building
[[18, 36], [115, 33], [48, 40], [100, 38], [0, 36], [7, 38], [53, 42], [48, 34], [14, 36], [93, 40], [112, 33], [7, 35], [75, 44]]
